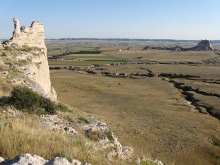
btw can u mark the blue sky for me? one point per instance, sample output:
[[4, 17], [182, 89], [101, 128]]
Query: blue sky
[[161, 19]]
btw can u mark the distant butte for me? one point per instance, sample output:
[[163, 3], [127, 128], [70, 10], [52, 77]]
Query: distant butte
[[204, 45]]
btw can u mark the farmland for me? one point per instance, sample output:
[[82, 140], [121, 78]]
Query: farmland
[[165, 106]]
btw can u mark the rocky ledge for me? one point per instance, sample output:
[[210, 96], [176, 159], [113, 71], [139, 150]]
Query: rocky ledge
[[91, 128], [28, 159]]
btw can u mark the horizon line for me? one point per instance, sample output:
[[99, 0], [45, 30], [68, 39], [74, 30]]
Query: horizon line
[[106, 38]]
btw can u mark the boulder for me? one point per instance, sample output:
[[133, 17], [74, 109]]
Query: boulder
[[25, 159], [2, 159], [28, 159], [58, 161]]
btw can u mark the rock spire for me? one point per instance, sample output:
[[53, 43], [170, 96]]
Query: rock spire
[[29, 41], [32, 36]]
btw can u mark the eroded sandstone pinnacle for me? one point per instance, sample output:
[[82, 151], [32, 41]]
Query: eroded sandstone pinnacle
[[36, 67], [32, 36]]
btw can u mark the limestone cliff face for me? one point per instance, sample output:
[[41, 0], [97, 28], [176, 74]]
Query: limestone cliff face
[[38, 71], [36, 64]]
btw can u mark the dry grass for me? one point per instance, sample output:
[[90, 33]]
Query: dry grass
[[147, 114], [25, 137], [22, 135], [5, 87], [163, 55], [204, 71]]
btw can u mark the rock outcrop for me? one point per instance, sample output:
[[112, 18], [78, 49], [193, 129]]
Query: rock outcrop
[[32, 52], [98, 131], [204, 45], [56, 123], [32, 36], [26, 159]]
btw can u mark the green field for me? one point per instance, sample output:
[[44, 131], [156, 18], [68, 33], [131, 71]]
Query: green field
[[85, 55], [83, 63]]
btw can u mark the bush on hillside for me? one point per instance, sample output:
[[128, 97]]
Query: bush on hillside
[[63, 108], [25, 98]]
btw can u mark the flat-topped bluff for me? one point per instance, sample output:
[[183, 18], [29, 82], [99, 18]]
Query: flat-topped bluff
[[28, 46], [203, 45]]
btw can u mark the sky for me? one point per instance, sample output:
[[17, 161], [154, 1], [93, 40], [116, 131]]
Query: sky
[[146, 19]]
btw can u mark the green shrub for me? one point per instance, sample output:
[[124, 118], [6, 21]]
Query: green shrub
[[147, 163], [84, 119], [3, 54], [47, 105], [25, 98], [63, 108], [7, 48], [25, 49], [109, 136]]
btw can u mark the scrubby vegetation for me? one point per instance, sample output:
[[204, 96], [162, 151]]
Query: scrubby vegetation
[[24, 98], [25, 49], [82, 118], [109, 135], [63, 108], [24, 137]]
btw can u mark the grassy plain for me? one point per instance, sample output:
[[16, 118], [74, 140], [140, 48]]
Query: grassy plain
[[150, 114]]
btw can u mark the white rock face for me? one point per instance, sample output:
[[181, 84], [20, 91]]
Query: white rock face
[[2, 159], [32, 36], [25, 159], [37, 68], [38, 71], [28, 159]]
